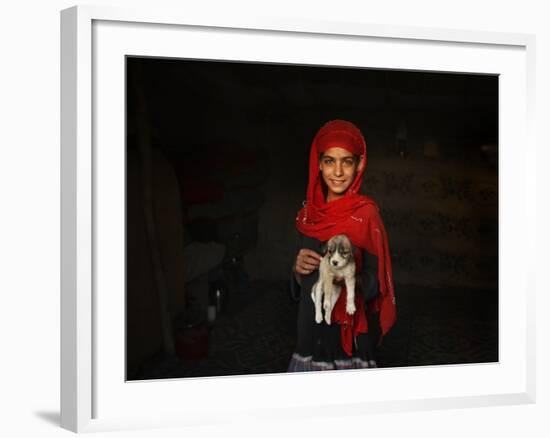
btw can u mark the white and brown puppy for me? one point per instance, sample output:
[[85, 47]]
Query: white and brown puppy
[[337, 261]]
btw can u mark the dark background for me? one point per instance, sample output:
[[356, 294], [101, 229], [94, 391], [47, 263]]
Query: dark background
[[217, 151]]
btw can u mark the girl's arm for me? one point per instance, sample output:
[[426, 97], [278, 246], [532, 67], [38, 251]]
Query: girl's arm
[[295, 278], [368, 277]]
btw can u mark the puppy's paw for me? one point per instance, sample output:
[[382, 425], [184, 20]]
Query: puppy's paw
[[327, 317], [318, 317], [350, 308]]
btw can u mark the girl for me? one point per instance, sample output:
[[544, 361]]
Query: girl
[[334, 206]]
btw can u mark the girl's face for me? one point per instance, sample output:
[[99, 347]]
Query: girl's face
[[338, 169]]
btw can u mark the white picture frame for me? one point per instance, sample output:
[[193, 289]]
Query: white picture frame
[[94, 41]]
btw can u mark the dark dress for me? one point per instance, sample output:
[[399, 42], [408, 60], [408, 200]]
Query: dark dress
[[318, 346]]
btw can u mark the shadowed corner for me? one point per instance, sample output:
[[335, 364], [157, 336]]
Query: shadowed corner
[[52, 417]]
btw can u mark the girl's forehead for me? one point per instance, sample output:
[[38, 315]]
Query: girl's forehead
[[337, 152]]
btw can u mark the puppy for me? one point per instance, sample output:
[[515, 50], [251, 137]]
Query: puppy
[[337, 261]]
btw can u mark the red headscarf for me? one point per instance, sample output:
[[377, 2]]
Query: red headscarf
[[354, 215]]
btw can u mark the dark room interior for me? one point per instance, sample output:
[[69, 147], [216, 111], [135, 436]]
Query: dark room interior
[[216, 170]]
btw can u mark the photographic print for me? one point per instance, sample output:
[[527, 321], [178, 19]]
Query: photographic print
[[233, 169]]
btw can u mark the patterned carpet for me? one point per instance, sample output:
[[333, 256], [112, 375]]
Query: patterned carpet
[[256, 333]]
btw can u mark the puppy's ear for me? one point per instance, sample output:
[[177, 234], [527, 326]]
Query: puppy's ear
[[352, 247], [324, 248]]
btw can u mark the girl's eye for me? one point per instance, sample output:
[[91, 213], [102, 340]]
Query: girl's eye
[[347, 162]]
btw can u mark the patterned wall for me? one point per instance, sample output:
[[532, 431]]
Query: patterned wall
[[442, 220]]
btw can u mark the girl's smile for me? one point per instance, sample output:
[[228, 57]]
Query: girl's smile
[[338, 169]]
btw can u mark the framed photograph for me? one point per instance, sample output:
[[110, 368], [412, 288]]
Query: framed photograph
[[186, 152]]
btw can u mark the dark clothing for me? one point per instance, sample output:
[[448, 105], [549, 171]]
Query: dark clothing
[[318, 346]]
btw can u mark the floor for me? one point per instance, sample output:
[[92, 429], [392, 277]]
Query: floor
[[255, 333]]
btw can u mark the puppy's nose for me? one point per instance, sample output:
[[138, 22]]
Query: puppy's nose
[[335, 263]]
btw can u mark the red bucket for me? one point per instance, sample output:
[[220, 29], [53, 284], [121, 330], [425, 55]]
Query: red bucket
[[192, 341]]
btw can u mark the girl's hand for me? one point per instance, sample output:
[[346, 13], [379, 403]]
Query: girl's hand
[[307, 261]]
